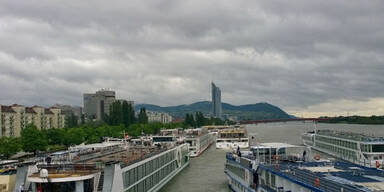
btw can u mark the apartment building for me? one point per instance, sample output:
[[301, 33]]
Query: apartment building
[[154, 116], [15, 118]]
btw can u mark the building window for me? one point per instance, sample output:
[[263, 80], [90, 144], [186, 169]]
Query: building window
[[11, 128], [50, 123]]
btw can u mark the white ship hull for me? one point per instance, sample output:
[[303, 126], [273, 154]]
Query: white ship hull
[[199, 152], [199, 144], [231, 145], [347, 148]]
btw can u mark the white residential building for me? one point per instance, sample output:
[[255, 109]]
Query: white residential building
[[14, 118], [154, 116]]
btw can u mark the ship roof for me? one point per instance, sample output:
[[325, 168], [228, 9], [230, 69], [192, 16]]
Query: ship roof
[[94, 146], [236, 130], [274, 145], [350, 136], [332, 176]]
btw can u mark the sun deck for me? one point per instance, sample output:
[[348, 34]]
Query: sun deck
[[332, 177], [67, 170], [129, 156]]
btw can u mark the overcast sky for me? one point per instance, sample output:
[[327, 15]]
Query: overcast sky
[[308, 57]]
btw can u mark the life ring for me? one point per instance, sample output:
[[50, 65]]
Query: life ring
[[276, 166], [317, 182], [377, 164], [317, 157], [76, 158]]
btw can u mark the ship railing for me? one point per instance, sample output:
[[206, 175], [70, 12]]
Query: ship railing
[[141, 158], [273, 159], [309, 178], [70, 168]]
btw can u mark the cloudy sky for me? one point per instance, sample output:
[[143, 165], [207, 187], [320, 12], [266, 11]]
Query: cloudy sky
[[308, 57]]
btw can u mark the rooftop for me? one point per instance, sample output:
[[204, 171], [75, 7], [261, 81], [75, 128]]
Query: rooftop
[[48, 111], [29, 110], [7, 109]]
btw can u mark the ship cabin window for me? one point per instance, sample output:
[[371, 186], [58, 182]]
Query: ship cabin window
[[163, 139], [189, 142], [266, 151], [377, 148]]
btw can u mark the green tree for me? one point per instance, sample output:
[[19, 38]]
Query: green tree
[[126, 114], [189, 120], [9, 146], [54, 136], [200, 119], [131, 111], [33, 140], [82, 118], [115, 113], [143, 118], [74, 136]]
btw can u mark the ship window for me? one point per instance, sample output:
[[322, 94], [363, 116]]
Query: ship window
[[131, 177], [140, 172], [377, 148], [273, 180], [141, 187], [273, 151], [282, 151]]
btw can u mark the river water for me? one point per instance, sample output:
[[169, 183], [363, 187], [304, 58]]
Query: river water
[[206, 172]]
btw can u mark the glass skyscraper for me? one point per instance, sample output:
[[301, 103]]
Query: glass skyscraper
[[216, 101]]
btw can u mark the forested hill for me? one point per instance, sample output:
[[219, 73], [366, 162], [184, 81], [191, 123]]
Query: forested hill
[[242, 112]]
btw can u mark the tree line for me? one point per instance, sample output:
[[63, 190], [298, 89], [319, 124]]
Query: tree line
[[373, 120], [198, 120], [35, 140], [120, 121]]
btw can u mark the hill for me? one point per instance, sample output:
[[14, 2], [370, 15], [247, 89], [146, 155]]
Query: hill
[[241, 112]]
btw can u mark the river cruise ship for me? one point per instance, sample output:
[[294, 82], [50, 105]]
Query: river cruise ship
[[178, 133], [127, 168], [232, 138], [353, 147], [199, 140], [279, 167]]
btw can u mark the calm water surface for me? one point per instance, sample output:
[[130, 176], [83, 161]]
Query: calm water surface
[[206, 173]]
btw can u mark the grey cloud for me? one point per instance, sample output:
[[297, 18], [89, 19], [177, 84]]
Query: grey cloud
[[290, 53]]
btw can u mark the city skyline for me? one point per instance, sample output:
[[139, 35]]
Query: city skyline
[[309, 58]]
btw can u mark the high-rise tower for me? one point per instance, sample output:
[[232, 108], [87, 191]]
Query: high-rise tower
[[216, 101], [96, 105]]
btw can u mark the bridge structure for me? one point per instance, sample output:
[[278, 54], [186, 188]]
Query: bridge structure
[[283, 120]]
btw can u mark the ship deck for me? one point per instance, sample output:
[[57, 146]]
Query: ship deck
[[332, 176], [351, 136], [97, 161]]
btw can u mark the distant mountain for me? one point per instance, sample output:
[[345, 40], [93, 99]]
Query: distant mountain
[[241, 112]]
